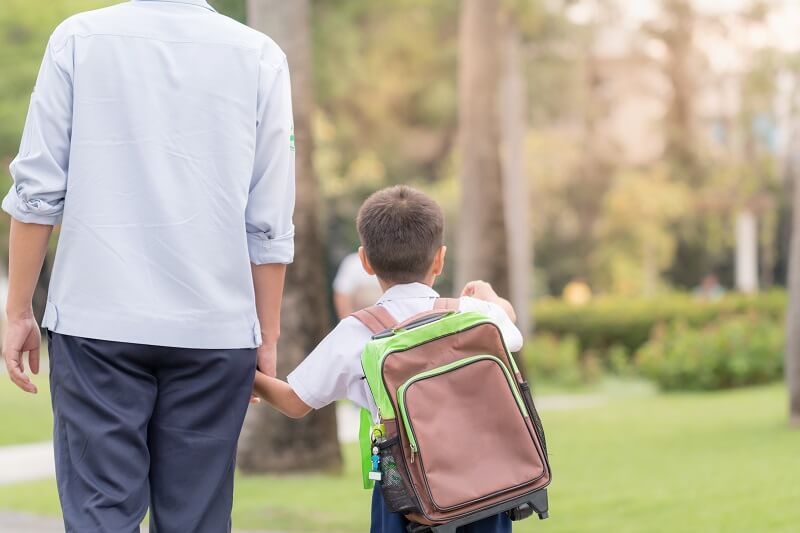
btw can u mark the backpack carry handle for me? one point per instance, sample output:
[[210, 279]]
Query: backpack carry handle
[[382, 324], [421, 319], [416, 321]]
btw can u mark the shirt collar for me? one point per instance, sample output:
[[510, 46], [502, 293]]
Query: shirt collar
[[198, 3], [408, 290]]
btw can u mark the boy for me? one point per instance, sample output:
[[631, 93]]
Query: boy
[[402, 232]]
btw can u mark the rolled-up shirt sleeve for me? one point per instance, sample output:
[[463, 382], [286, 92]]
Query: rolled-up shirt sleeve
[[270, 206], [40, 169]]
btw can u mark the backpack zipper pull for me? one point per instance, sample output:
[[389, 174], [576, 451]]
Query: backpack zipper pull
[[413, 451]]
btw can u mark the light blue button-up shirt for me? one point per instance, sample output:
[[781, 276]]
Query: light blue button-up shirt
[[160, 136]]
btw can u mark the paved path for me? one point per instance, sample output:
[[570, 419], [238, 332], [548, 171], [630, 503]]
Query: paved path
[[26, 462], [23, 523]]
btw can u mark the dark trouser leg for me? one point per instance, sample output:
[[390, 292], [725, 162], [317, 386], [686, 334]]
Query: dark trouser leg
[[202, 399], [385, 522], [382, 520], [103, 394]]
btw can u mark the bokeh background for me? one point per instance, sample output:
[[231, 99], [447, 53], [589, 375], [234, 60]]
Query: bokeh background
[[623, 171]]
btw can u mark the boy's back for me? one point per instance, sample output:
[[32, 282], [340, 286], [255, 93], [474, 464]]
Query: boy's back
[[333, 370]]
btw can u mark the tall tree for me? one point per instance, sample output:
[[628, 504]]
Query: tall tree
[[793, 316], [792, 356], [482, 243], [271, 442], [515, 180]]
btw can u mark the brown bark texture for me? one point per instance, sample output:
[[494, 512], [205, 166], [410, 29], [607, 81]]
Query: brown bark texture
[[270, 442], [793, 315], [482, 241]]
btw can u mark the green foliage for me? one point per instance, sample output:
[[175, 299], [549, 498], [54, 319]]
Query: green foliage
[[554, 360], [25, 418], [628, 322], [735, 352], [236, 9]]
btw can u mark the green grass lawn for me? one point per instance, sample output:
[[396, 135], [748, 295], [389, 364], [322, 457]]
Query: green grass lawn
[[25, 417], [652, 463]]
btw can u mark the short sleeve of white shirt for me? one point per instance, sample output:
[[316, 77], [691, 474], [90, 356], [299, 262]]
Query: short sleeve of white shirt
[[333, 370]]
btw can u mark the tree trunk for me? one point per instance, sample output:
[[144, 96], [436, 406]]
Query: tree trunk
[[746, 251], [515, 180], [793, 316], [271, 442], [482, 247]]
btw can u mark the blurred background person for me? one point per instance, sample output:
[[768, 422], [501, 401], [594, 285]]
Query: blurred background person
[[353, 288]]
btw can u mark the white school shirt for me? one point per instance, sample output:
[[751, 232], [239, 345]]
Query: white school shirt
[[333, 370], [160, 136]]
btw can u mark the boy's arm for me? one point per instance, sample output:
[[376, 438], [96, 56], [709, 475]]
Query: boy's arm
[[484, 291], [280, 395]]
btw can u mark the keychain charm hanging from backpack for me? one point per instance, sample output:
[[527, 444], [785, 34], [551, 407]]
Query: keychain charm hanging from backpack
[[375, 473]]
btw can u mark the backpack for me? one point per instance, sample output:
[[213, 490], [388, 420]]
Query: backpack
[[457, 438]]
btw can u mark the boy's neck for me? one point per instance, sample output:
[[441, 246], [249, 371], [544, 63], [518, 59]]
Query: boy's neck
[[386, 285]]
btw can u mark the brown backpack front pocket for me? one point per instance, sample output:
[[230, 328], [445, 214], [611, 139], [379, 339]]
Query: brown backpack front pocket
[[467, 429]]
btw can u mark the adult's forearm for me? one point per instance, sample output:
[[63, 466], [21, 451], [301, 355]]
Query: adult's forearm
[[26, 252], [268, 282]]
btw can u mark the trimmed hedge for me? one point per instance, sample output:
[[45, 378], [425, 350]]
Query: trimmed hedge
[[625, 322], [734, 352]]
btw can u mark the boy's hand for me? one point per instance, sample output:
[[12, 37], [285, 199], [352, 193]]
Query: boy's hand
[[480, 290], [267, 355], [483, 291]]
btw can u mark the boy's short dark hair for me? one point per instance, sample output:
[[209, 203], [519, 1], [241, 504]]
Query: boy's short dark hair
[[401, 230]]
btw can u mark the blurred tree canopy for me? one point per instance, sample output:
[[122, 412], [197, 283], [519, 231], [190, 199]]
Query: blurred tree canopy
[[385, 76]]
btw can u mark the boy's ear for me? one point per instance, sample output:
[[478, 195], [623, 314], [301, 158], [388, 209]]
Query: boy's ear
[[438, 261], [362, 254]]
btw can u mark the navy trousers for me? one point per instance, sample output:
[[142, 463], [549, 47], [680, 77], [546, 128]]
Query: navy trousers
[[140, 426], [385, 522]]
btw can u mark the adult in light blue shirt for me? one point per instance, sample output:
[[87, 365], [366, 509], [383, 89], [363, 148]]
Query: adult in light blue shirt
[[160, 138]]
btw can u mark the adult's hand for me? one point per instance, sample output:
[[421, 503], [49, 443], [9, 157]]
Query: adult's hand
[[268, 358], [22, 335]]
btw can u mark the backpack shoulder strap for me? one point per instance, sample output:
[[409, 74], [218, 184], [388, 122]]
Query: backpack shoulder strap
[[446, 304], [376, 318]]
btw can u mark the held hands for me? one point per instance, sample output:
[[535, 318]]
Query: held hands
[[267, 364], [22, 335], [267, 355]]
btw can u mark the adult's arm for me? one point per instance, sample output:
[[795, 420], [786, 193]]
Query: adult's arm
[[270, 205], [27, 248], [268, 283], [36, 201]]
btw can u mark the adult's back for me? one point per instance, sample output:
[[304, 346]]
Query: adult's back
[[165, 168], [160, 136]]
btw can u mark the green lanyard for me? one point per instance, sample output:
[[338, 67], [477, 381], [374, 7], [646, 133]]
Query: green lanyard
[[365, 441]]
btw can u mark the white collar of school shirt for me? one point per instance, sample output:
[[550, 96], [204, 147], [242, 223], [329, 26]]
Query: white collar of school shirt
[[408, 290], [198, 3]]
